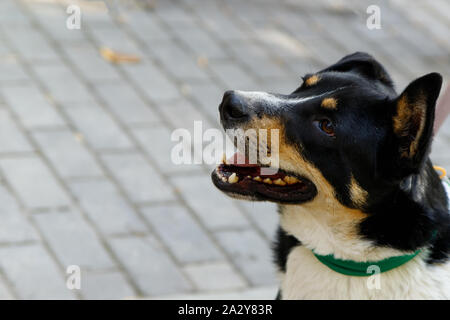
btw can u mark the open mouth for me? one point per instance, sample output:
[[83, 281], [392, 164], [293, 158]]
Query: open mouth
[[247, 180]]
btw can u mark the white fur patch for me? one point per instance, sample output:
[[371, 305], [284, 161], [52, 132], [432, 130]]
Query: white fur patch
[[307, 278]]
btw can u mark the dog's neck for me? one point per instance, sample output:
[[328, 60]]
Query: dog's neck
[[397, 226]]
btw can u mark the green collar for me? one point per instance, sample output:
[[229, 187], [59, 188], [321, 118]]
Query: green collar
[[361, 269]]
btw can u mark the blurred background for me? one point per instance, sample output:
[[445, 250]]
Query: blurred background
[[86, 117]]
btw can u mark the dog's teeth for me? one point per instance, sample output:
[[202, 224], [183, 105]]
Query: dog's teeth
[[290, 180], [258, 178], [267, 180], [249, 177], [233, 178], [279, 182], [224, 179], [224, 158]]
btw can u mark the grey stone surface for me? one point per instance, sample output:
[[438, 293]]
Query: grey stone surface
[[126, 104], [31, 106], [251, 254], [214, 276], [15, 226], [86, 175], [88, 60], [106, 207], [150, 266], [67, 153], [33, 182], [73, 240], [89, 118], [62, 84], [11, 138], [140, 181], [33, 273], [182, 234], [160, 150], [214, 210], [106, 285]]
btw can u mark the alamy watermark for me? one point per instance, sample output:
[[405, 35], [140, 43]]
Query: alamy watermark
[[73, 281], [374, 280], [258, 146], [73, 21], [374, 19]]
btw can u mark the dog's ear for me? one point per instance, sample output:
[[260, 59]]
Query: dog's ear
[[412, 122], [363, 64]]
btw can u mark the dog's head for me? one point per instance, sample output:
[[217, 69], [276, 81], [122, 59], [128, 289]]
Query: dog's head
[[344, 133]]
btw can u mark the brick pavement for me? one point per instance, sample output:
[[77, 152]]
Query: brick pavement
[[85, 171]]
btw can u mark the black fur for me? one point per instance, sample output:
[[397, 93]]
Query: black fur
[[382, 140]]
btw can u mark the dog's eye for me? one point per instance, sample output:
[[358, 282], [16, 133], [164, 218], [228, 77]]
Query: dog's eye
[[326, 126]]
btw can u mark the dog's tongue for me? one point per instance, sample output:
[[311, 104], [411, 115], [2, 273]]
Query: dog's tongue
[[240, 160]]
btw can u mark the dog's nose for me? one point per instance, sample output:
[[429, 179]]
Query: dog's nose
[[233, 107]]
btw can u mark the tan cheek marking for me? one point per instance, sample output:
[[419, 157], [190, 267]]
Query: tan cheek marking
[[292, 160], [357, 194], [312, 80], [329, 103]]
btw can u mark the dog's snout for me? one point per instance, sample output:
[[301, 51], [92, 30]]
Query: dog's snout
[[233, 107]]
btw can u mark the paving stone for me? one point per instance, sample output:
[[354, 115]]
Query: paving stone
[[11, 138], [189, 112], [90, 63], [62, 84], [217, 23], [110, 36], [14, 227], [186, 66], [140, 181], [43, 192], [191, 52], [208, 96], [89, 118], [199, 41], [5, 292], [153, 82], [10, 15], [264, 215], [234, 77], [126, 104], [145, 26], [158, 145], [53, 21], [257, 60], [181, 233], [107, 208], [105, 286], [11, 70], [211, 205], [73, 240], [172, 13], [251, 254], [67, 153], [31, 106], [32, 45], [149, 266], [33, 273], [214, 276]]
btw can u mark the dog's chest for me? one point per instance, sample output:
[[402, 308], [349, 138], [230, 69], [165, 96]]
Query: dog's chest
[[307, 278]]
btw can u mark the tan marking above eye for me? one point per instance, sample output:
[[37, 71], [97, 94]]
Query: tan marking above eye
[[312, 80], [329, 103]]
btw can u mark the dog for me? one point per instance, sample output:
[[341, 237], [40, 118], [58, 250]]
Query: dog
[[363, 213]]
